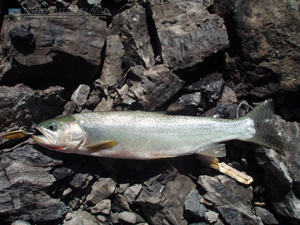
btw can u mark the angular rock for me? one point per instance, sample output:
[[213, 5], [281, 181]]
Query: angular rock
[[193, 206], [228, 96], [101, 189], [187, 33], [186, 103], [265, 215], [154, 86], [64, 48], [128, 217], [210, 86], [211, 216], [103, 207], [112, 67], [80, 95], [20, 222], [21, 106], [80, 217], [232, 201], [267, 56], [282, 173], [164, 201], [25, 173], [105, 105], [132, 192], [132, 27]]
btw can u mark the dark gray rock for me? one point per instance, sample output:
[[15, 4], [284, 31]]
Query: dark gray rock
[[66, 51], [193, 206], [265, 215], [22, 39], [80, 96], [210, 86], [187, 33], [282, 174], [164, 197], [130, 218], [186, 103], [101, 189], [112, 67], [25, 173], [154, 86], [132, 192], [265, 49], [21, 106], [232, 200], [132, 27]]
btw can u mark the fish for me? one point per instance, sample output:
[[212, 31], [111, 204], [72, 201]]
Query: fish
[[152, 135]]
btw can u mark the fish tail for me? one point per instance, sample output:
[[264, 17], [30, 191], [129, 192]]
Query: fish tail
[[267, 132]]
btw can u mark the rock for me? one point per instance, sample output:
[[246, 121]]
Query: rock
[[193, 206], [22, 40], [229, 198], [132, 192], [81, 217], [266, 56], [211, 216], [105, 105], [80, 95], [223, 111], [187, 33], [114, 218], [132, 27], [94, 2], [20, 222], [228, 96], [155, 86], [127, 217], [210, 87], [93, 101], [158, 200], [63, 49], [186, 103], [265, 215], [130, 218], [112, 67], [101, 189], [25, 173], [21, 106], [282, 173], [103, 207], [123, 202]]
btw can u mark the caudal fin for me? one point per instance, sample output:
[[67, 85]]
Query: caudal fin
[[267, 132]]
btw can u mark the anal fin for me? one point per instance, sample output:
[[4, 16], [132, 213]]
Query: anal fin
[[225, 169], [101, 145], [217, 150]]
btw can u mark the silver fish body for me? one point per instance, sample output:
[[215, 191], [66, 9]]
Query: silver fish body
[[148, 135]]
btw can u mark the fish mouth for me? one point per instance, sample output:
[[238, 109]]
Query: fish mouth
[[46, 140]]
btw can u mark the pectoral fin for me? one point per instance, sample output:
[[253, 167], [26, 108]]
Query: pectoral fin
[[101, 145], [217, 150]]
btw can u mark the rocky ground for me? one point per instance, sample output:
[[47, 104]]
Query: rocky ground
[[192, 57]]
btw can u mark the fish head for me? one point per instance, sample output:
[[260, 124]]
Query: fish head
[[60, 134]]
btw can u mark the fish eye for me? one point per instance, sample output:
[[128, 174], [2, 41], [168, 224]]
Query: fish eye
[[52, 126]]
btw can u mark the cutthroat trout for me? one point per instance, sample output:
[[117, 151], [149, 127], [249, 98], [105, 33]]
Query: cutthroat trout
[[150, 135]]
